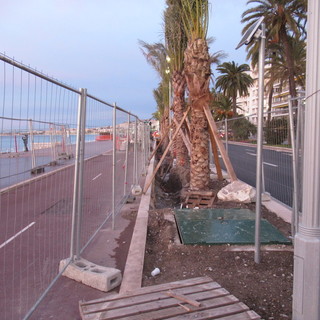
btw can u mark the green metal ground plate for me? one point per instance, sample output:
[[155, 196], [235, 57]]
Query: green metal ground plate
[[222, 226]]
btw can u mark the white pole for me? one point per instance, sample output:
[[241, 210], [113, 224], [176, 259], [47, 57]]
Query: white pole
[[126, 160], [114, 133], [75, 208], [259, 144], [33, 155], [306, 283]]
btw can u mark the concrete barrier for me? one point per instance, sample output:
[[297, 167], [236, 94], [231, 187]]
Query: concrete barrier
[[91, 274]]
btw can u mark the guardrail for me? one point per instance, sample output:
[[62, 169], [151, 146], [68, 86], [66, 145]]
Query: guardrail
[[68, 161]]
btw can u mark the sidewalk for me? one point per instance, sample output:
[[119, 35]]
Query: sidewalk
[[110, 249]]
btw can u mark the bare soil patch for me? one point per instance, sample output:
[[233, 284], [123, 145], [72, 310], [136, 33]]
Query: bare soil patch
[[265, 288]]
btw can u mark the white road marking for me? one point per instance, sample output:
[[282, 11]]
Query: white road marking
[[270, 164], [266, 163], [251, 154], [17, 234], [96, 177]]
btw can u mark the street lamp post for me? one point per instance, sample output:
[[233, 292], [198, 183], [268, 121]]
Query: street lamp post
[[258, 31], [306, 281]]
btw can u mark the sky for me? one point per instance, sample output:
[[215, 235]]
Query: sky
[[93, 44]]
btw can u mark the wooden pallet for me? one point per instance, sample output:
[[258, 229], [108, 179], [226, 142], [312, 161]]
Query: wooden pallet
[[198, 298], [200, 199]]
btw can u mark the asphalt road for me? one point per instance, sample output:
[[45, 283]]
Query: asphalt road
[[277, 167], [36, 219]]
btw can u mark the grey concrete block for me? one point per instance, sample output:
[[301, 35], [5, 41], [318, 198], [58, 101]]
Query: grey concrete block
[[90, 274]]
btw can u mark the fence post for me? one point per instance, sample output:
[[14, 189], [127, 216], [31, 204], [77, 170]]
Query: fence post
[[294, 219], [226, 133], [33, 155], [126, 161], [135, 177], [77, 189], [114, 132], [81, 167], [52, 144]]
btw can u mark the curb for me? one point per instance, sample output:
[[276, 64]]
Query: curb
[[132, 275]]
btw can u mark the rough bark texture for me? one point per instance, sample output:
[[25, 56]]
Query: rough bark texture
[[197, 69], [290, 64], [179, 86]]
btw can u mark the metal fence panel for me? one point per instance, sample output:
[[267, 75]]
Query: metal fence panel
[[36, 117], [239, 135], [56, 178]]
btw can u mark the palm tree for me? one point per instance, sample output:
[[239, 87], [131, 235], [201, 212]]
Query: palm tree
[[279, 70], [221, 107], [195, 16], [156, 55], [158, 95], [176, 43], [233, 81], [283, 18]]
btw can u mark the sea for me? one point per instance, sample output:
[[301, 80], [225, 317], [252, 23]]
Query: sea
[[15, 143]]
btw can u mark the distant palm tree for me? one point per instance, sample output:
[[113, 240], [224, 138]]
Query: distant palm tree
[[221, 107], [156, 55], [233, 81], [195, 15], [283, 18], [158, 95], [279, 69]]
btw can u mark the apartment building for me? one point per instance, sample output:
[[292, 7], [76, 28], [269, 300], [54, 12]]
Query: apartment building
[[249, 104]]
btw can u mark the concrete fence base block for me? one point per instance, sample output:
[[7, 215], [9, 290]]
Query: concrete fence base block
[[90, 274]]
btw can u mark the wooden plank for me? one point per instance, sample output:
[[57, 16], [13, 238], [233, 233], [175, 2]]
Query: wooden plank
[[149, 302], [163, 310], [246, 315], [221, 147], [132, 300], [148, 183], [213, 313], [201, 193], [156, 288], [152, 303], [184, 307], [183, 298]]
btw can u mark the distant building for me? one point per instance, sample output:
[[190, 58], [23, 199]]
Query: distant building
[[249, 104]]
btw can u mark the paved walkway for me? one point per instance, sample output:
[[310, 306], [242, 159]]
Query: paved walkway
[[109, 248]]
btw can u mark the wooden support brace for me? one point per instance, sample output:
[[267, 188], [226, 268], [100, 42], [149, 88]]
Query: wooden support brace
[[159, 144], [185, 138], [148, 183], [188, 124], [221, 147], [216, 156]]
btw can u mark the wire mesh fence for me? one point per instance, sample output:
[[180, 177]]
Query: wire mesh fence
[[66, 166], [240, 137]]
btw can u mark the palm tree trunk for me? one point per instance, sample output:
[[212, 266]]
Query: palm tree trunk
[[179, 86], [270, 103], [197, 69], [290, 64], [234, 105]]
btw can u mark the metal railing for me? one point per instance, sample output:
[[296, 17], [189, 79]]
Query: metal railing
[[282, 150], [68, 163]]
